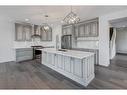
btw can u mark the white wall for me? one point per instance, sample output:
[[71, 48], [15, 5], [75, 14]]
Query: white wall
[[121, 40], [104, 57], [6, 39]]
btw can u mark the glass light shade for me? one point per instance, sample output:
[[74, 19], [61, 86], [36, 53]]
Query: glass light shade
[[71, 18], [46, 27]]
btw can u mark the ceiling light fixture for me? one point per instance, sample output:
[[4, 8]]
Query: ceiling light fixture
[[45, 27], [71, 18]]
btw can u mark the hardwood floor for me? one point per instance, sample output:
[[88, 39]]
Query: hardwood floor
[[31, 75]]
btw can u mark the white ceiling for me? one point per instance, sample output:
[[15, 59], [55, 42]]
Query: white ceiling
[[56, 13]]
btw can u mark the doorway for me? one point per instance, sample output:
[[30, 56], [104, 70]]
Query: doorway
[[118, 42]]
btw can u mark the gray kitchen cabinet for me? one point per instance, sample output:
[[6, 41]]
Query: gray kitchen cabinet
[[23, 54], [67, 29], [67, 64], [81, 32], [94, 28], [43, 36], [44, 57], [50, 59], [28, 32], [46, 35], [19, 33], [60, 62], [23, 32], [77, 67], [87, 28], [49, 36]]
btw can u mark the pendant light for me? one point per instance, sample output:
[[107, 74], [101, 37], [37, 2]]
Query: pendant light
[[71, 18], [45, 27]]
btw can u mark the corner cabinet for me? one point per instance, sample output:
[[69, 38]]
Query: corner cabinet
[[23, 32], [87, 28]]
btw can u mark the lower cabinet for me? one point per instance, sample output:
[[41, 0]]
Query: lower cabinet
[[77, 67], [23, 54], [79, 70], [67, 63], [60, 61]]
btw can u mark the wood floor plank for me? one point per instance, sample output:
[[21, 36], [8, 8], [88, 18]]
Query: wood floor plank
[[31, 75]]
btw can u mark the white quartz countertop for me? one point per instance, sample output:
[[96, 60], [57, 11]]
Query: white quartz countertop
[[70, 53], [21, 47]]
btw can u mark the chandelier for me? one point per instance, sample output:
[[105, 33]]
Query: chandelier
[[45, 27], [71, 18]]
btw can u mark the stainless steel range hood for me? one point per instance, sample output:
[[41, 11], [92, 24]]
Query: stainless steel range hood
[[36, 32]]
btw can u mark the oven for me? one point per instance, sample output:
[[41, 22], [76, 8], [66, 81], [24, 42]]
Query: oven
[[37, 53]]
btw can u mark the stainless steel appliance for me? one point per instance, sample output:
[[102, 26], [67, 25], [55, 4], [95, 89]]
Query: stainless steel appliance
[[37, 53], [66, 42]]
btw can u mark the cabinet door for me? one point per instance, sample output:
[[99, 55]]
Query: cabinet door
[[67, 30], [87, 30], [43, 35], [94, 29], [56, 60], [77, 70], [60, 62], [76, 31], [49, 35], [67, 64], [64, 31], [81, 31], [49, 58], [53, 59], [19, 34], [44, 57], [27, 31]]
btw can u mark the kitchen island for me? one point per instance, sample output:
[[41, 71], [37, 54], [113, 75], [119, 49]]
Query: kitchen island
[[76, 65]]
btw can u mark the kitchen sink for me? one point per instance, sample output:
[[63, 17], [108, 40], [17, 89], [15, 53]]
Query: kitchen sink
[[64, 50]]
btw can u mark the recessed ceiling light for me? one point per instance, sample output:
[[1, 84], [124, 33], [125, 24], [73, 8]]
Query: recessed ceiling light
[[26, 19]]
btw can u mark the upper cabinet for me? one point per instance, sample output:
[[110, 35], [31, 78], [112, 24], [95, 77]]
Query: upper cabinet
[[19, 34], [46, 35], [82, 29], [23, 32], [27, 32], [67, 29], [87, 29]]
